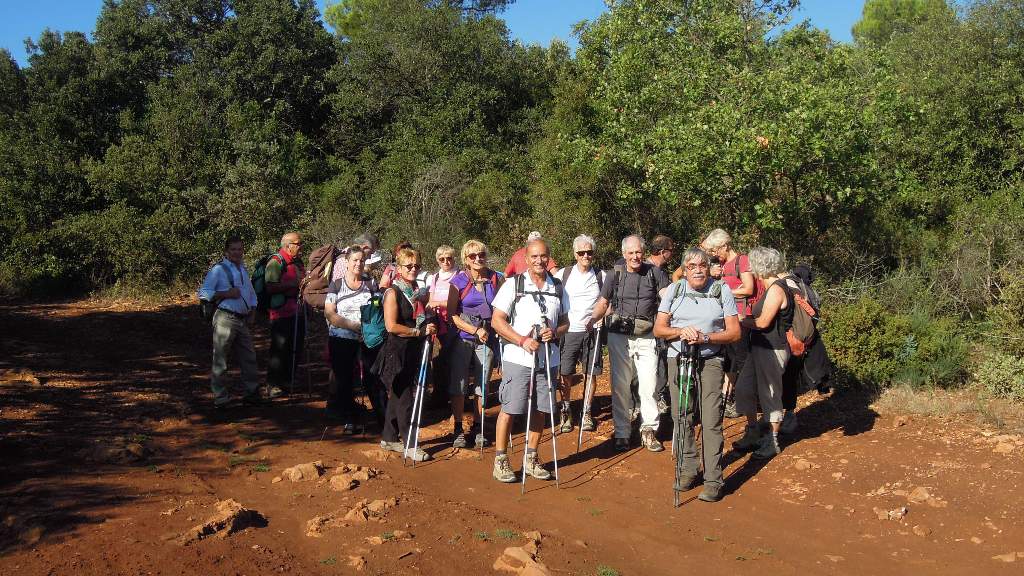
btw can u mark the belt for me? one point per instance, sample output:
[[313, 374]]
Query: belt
[[238, 315]]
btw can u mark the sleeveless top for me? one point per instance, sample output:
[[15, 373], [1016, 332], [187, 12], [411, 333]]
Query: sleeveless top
[[774, 336], [400, 357]]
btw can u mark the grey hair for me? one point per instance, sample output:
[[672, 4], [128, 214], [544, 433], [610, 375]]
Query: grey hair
[[696, 252], [716, 239], [533, 236], [765, 262], [643, 245], [367, 238], [583, 239], [547, 246]]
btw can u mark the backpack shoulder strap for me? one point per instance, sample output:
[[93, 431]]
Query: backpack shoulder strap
[[224, 267], [566, 272]]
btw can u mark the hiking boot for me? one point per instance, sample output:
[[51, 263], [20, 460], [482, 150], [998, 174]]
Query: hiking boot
[[565, 425], [417, 455], [481, 441], [710, 493], [769, 447], [503, 470], [253, 399], [789, 423], [686, 482], [730, 409], [460, 440], [533, 468], [663, 407], [274, 392], [649, 441], [588, 423], [391, 446], [750, 441], [622, 444]]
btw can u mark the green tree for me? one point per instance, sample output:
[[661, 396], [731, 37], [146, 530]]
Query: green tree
[[880, 19]]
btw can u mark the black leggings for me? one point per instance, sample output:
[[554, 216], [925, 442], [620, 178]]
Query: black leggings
[[346, 355]]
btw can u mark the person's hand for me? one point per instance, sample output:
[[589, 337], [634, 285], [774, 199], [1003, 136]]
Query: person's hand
[[727, 386], [531, 345], [481, 335], [547, 334], [233, 293], [589, 325], [430, 329], [687, 334]]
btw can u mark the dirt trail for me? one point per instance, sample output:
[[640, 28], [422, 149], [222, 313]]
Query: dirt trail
[[110, 451]]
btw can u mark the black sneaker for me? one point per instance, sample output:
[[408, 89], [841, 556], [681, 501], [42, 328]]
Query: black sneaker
[[622, 444]]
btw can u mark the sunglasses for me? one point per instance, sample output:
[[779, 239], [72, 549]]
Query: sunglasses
[[477, 256], [410, 267], [445, 258], [584, 252]]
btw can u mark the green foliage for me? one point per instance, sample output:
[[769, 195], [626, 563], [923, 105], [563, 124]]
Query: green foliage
[[1001, 375], [882, 18]]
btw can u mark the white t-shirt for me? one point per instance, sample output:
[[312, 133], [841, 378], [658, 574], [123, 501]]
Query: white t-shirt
[[348, 303], [582, 291], [528, 313]]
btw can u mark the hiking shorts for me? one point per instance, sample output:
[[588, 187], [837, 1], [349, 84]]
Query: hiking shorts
[[466, 359], [578, 348], [515, 382]]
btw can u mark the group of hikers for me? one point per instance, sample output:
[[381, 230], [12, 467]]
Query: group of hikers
[[722, 335]]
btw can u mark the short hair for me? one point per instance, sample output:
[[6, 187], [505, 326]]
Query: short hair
[[350, 250], [661, 242], [284, 238], [696, 252], [766, 261], [405, 255], [232, 239], [444, 250], [533, 236], [583, 239], [367, 238], [643, 245], [716, 239], [547, 246], [472, 247]]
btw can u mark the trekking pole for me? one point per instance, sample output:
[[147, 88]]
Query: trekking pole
[[588, 390], [681, 424], [484, 375], [295, 343], [551, 405], [412, 442], [305, 345], [529, 412]]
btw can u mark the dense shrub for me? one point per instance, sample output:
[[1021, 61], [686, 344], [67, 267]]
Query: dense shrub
[[1001, 375]]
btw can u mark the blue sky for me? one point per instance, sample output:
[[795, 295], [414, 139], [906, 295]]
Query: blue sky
[[532, 21]]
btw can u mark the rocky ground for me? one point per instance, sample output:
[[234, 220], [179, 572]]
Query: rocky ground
[[115, 463]]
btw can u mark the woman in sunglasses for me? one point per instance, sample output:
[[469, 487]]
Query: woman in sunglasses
[[399, 361], [472, 352]]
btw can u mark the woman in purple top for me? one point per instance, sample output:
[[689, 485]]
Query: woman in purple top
[[472, 353]]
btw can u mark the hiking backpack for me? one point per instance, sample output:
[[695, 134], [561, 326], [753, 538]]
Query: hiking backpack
[[568, 270], [620, 273], [715, 291], [321, 264], [264, 299], [520, 285], [800, 334]]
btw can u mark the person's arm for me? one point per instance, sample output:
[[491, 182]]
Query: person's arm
[[273, 274], [391, 322], [499, 321], [677, 274], [745, 290], [600, 309], [772, 304], [339, 321], [662, 329], [231, 292]]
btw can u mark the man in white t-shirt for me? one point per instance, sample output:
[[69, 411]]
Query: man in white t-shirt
[[582, 285], [529, 310]]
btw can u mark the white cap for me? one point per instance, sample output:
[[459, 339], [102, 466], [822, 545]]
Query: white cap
[[533, 236]]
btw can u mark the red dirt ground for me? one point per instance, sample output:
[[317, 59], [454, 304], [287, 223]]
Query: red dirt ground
[[111, 374]]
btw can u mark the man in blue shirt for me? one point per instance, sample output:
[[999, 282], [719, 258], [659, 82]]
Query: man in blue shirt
[[228, 285]]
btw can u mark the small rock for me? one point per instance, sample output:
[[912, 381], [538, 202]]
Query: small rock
[[976, 540], [357, 514], [375, 540], [837, 475], [919, 494], [580, 543], [901, 421], [513, 559], [357, 562], [401, 535], [307, 471], [376, 455], [231, 517], [532, 535], [531, 547], [834, 558], [18, 375], [275, 480], [1003, 448], [1009, 557], [921, 531]]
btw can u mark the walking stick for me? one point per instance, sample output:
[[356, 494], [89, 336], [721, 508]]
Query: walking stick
[[295, 343], [305, 345], [588, 390], [681, 425], [529, 412], [485, 372], [417, 406], [551, 405]]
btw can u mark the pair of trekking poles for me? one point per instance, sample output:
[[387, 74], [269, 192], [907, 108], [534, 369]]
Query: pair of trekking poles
[[688, 377]]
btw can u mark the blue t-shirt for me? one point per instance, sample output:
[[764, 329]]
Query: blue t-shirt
[[698, 309]]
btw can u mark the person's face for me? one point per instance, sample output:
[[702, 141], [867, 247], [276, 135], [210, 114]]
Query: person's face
[[696, 272], [537, 258], [633, 253], [235, 252], [408, 269], [356, 263], [667, 253], [585, 254], [367, 250], [476, 260], [294, 246], [446, 262]]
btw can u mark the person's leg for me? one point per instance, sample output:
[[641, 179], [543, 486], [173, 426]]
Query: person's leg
[[245, 354], [711, 407], [791, 383], [374, 390], [645, 356], [392, 414], [223, 335], [280, 335], [344, 353], [746, 404], [622, 376], [460, 361]]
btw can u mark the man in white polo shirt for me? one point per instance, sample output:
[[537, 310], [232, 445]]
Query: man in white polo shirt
[[529, 310], [582, 285]]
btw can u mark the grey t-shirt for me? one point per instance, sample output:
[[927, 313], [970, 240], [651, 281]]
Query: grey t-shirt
[[639, 291], [698, 309]]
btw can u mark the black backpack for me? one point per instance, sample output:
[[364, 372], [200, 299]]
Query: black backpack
[[520, 284]]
